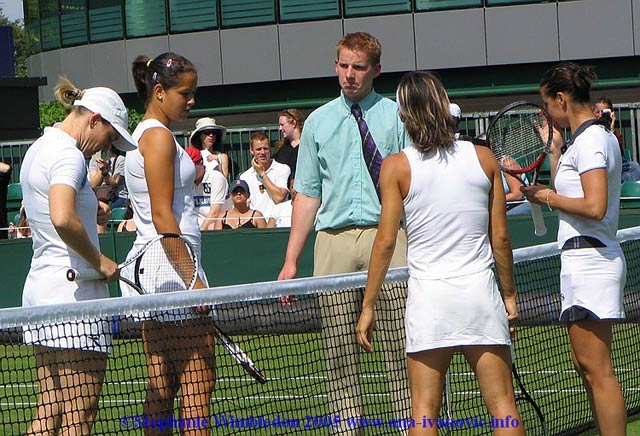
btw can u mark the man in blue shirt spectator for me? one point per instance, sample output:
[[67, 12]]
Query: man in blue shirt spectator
[[336, 181]]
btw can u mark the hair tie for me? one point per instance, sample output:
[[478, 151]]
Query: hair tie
[[77, 94], [149, 62]]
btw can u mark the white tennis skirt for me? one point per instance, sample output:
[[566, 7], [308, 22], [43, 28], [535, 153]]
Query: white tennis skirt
[[47, 284], [592, 283], [456, 311]]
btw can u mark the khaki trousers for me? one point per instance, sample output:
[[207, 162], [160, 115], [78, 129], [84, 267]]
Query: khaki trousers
[[343, 251]]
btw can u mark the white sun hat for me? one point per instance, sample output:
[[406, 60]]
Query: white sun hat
[[207, 123]]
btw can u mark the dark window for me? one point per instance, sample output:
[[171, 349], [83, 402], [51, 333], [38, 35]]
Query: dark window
[[237, 13], [73, 22], [192, 15], [105, 20], [375, 7], [145, 17], [50, 24], [303, 10]]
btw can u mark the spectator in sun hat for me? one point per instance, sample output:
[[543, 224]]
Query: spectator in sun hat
[[208, 137], [210, 190], [241, 215]]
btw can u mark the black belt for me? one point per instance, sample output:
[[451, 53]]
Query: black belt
[[582, 242]]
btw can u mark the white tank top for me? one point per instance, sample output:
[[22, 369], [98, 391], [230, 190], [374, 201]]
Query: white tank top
[[183, 207], [447, 213]]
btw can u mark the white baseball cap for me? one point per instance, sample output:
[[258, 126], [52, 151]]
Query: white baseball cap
[[109, 105], [455, 111]]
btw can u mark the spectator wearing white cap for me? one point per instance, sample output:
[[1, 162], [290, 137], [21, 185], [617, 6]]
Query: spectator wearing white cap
[[208, 137], [62, 209]]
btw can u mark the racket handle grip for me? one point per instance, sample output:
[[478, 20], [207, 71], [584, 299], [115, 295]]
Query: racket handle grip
[[83, 274], [538, 220]]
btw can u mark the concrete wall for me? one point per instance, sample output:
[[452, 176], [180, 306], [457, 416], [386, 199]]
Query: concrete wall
[[543, 32]]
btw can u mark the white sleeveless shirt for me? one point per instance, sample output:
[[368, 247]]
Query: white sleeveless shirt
[[447, 213], [183, 207]]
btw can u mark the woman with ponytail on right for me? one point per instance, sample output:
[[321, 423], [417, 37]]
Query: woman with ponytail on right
[[160, 176], [586, 176]]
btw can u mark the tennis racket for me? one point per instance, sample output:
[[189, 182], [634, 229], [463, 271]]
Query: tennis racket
[[520, 136], [531, 414], [447, 402], [240, 356], [168, 263]]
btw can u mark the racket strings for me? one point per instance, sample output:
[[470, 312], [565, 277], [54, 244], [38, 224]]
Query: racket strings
[[516, 139], [168, 265]]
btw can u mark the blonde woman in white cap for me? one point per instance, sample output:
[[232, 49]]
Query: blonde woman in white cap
[[70, 358], [208, 137]]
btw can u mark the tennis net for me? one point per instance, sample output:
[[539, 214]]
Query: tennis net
[[303, 362]]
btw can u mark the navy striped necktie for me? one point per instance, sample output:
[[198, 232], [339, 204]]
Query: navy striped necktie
[[372, 156]]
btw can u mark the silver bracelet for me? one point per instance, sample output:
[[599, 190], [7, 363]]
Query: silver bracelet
[[548, 197]]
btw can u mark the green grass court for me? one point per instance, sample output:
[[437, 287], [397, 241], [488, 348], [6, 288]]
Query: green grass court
[[297, 388]]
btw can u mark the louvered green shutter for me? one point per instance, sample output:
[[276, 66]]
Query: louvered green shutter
[[237, 13], [192, 15], [145, 17], [375, 7], [304, 10]]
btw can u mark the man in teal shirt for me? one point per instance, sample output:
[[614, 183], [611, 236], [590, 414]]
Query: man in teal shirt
[[334, 183]]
